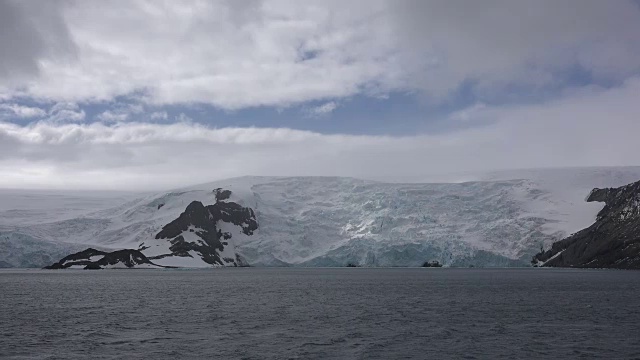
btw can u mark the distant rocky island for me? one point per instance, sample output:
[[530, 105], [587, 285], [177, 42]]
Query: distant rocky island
[[613, 241]]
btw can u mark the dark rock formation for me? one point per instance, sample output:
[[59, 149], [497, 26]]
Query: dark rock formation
[[433, 263], [128, 257], [211, 239], [613, 241], [222, 194]]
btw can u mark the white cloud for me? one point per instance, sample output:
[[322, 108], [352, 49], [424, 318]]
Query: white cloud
[[276, 53], [498, 43], [183, 118], [468, 114], [589, 128], [64, 112], [159, 115], [23, 112], [111, 116], [323, 109], [234, 55], [133, 109], [122, 112]]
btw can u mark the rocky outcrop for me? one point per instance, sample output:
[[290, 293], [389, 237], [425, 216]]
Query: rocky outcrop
[[96, 259], [613, 241], [200, 232], [202, 221]]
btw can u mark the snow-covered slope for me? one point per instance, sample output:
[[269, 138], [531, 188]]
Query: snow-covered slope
[[612, 241], [36, 206], [20, 209], [500, 220]]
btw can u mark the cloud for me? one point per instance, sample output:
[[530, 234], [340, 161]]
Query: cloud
[[323, 109], [278, 53], [496, 44], [63, 112], [132, 60], [595, 127], [468, 114], [111, 116], [183, 118], [31, 33], [23, 112], [159, 115], [122, 112]]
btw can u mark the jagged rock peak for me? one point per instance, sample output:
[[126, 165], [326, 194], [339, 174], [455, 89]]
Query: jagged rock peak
[[196, 231], [620, 203], [613, 241], [222, 194]]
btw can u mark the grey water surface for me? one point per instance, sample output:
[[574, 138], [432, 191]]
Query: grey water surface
[[349, 313]]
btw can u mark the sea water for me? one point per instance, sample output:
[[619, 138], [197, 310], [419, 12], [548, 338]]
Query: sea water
[[320, 313]]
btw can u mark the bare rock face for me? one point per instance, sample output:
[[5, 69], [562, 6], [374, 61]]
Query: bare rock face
[[211, 240], [613, 241]]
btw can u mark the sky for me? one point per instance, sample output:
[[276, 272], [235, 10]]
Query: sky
[[152, 95]]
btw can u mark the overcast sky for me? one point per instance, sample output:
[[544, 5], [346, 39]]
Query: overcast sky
[[154, 95]]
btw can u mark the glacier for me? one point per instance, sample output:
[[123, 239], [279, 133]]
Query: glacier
[[491, 219]]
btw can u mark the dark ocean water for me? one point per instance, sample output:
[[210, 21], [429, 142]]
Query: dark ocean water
[[253, 313]]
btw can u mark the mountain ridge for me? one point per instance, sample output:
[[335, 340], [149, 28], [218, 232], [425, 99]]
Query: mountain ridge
[[332, 221]]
